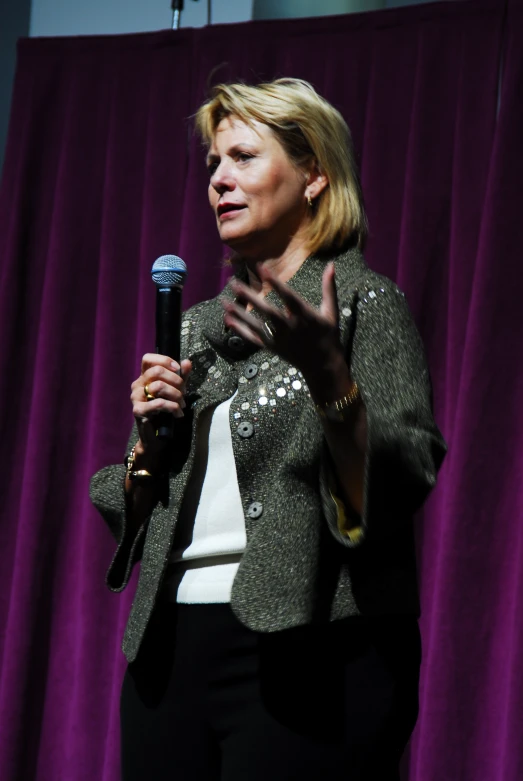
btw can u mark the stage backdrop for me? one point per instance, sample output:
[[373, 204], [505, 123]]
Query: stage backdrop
[[103, 173]]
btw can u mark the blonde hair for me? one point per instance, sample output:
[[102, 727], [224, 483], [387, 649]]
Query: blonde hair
[[310, 130]]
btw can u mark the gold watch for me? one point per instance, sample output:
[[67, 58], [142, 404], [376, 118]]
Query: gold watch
[[339, 410]]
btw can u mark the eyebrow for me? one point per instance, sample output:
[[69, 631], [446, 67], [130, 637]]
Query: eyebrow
[[233, 150]]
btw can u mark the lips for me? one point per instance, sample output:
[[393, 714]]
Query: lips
[[224, 208]]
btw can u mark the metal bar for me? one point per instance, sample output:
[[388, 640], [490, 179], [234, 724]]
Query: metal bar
[[177, 6]]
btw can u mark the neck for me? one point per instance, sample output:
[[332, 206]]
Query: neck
[[282, 265]]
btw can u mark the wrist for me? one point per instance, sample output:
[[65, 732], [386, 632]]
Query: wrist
[[330, 380], [143, 465], [343, 409], [139, 450]]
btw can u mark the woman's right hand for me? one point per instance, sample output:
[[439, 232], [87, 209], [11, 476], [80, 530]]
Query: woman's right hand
[[162, 377]]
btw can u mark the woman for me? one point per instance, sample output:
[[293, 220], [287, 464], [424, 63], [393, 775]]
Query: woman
[[274, 629]]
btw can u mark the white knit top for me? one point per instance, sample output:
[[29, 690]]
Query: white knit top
[[206, 566]]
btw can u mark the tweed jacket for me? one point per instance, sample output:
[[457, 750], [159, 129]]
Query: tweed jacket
[[305, 561]]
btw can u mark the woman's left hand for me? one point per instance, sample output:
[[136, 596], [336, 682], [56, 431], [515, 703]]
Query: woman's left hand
[[306, 337]]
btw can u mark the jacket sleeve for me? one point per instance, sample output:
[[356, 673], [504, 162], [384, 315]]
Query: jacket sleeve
[[404, 446], [107, 494], [107, 490]]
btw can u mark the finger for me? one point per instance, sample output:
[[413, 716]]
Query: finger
[[144, 388], [160, 373], [161, 382], [329, 301], [159, 390], [186, 368], [149, 409], [352, 324], [294, 303], [258, 301], [243, 330], [155, 359], [249, 320]]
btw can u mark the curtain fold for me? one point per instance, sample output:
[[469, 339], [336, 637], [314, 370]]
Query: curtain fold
[[103, 173], [471, 694]]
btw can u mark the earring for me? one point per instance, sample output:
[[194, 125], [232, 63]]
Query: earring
[[309, 201]]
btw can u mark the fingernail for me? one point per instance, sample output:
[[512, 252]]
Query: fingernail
[[175, 366]]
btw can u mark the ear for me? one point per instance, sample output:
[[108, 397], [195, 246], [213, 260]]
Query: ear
[[317, 181]]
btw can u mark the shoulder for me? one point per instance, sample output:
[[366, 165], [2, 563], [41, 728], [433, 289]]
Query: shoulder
[[203, 310], [199, 315], [198, 311], [372, 294], [352, 272], [374, 313], [376, 293], [385, 333], [201, 321]]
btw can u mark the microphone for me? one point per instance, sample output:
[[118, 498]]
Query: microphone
[[168, 273]]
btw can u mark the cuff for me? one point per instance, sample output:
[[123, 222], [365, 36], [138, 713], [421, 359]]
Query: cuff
[[346, 526]]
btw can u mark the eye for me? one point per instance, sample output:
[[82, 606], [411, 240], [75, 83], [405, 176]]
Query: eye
[[244, 157], [211, 167]]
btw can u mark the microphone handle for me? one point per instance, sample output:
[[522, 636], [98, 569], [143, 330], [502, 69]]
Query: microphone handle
[[168, 327]]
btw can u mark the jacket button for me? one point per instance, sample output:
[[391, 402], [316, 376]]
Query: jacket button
[[254, 510], [236, 343], [245, 429], [251, 371]]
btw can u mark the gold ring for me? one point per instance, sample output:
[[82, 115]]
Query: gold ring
[[148, 396]]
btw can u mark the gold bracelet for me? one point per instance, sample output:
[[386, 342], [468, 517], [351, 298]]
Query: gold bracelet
[[139, 474], [337, 410]]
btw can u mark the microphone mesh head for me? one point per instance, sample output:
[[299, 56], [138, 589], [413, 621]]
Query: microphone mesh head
[[169, 271]]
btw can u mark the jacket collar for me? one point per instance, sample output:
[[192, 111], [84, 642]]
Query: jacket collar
[[306, 282]]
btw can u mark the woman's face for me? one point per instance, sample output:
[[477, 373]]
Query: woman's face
[[257, 194]]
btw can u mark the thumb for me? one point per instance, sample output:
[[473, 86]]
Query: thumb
[[329, 299], [185, 367]]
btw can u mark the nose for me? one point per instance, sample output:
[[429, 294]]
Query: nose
[[222, 179]]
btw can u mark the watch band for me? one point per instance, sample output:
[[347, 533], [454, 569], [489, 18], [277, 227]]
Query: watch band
[[338, 410]]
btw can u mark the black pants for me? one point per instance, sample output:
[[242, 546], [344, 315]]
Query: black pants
[[331, 702]]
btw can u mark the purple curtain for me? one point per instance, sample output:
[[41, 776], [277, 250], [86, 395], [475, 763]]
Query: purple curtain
[[103, 173]]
